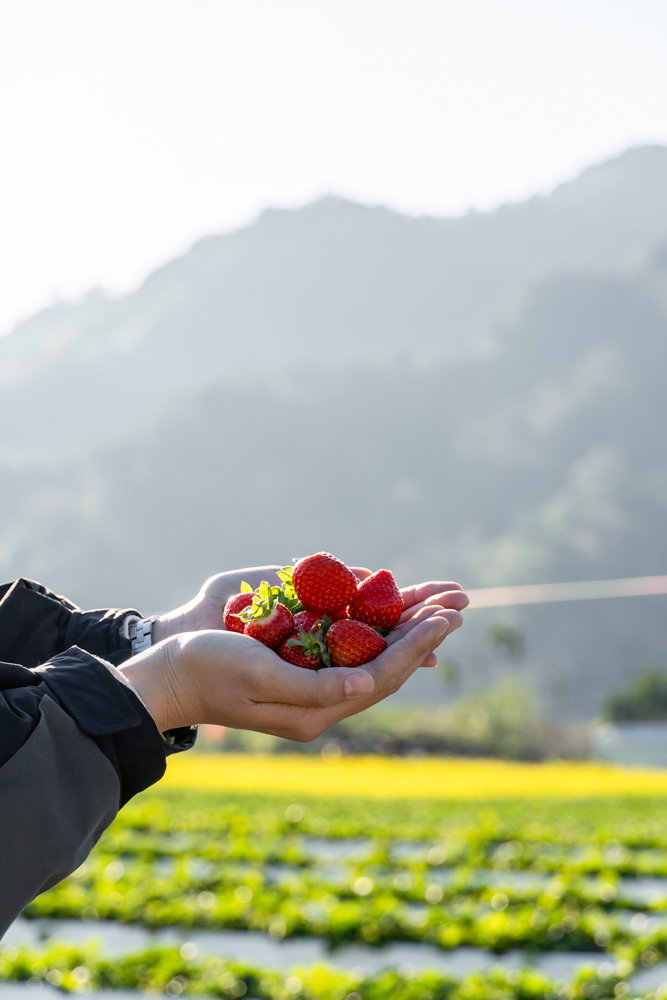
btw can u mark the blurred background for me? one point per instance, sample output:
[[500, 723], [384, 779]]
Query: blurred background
[[383, 278]]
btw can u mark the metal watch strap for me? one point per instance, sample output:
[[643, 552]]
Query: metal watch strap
[[141, 634]]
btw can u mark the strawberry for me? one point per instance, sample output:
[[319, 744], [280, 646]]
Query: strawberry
[[306, 620], [340, 616], [306, 650], [273, 628], [352, 643], [267, 619], [323, 583], [231, 609], [378, 601]]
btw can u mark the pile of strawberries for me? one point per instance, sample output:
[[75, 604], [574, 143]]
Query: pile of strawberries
[[320, 616]]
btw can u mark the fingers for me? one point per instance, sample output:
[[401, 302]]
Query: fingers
[[361, 572], [412, 618], [284, 683], [392, 668], [389, 671], [420, 592], [454, 601]]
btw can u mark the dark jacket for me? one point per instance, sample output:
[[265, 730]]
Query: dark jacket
[[75, 742]]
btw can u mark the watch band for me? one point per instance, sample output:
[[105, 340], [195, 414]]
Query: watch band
[[141, 634]]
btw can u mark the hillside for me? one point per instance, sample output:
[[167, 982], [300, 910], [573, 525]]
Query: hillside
[[519, 438], [331, 283]]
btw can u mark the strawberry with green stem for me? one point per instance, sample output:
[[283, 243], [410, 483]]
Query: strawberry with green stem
[[307, 649], [230, 612], [268, 619], [306, 620]]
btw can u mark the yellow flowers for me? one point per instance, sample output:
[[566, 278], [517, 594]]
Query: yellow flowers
[[396, 777]]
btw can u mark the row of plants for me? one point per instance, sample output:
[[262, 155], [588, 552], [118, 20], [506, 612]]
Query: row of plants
[[181, 971], [176, 878], [523, 874], [633, 821], [557, 919], [476, 850]]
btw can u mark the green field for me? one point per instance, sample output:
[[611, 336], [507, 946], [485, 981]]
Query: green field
[[540, 875]]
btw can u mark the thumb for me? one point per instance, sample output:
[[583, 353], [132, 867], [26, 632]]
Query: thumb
[[291, 685]]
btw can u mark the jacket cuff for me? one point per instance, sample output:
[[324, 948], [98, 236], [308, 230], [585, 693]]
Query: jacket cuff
[[112, 714]]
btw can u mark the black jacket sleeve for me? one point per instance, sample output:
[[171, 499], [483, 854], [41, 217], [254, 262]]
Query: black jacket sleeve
[[36, 624], [75, 744], [75, 741]]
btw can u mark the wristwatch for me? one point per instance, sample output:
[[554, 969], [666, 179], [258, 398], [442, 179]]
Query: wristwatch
[[141, 634]]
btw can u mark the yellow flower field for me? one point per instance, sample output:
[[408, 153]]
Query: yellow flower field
[[415, 778]]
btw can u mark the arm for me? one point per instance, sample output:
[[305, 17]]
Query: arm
[[75, 744]]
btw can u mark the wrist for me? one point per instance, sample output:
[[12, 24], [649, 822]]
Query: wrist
[[159, 678], [174, 623]]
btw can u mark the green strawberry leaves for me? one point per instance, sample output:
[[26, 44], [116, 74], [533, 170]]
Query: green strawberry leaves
[[266, 597], [312, 644], [289, 598], [326, 625]]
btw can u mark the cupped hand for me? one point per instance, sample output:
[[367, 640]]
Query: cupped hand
[[229, 679]]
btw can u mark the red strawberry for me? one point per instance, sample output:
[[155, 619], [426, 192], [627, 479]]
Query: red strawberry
[[267, 619], [306, 620], [231, 609], [271, 628], [305, 650], [352, 643], [378, 601], [323, 583], [340, 616]]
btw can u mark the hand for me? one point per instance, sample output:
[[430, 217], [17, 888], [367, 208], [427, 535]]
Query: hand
[[229, 679], [204, 610]]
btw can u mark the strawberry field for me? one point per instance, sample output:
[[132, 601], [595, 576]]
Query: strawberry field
[[535, 874]]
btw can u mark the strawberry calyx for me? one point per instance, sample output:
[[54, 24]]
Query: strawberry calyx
[[289, 599], [265, 599], [311, 644]]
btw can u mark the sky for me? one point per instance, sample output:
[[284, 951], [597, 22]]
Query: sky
[[131, 128]]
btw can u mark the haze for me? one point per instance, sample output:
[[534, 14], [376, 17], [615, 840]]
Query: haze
[[129, 130]]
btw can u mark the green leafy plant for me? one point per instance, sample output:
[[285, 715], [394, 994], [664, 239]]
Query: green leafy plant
[[645, 699]]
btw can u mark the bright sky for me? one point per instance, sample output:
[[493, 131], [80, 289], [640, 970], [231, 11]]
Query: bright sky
[[129, 128]]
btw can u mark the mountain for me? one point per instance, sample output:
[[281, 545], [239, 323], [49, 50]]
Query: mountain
[[514, 438], [328, 284]]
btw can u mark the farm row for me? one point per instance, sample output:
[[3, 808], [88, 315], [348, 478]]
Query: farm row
[[524, 877], [542, 875], [180, 972]]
